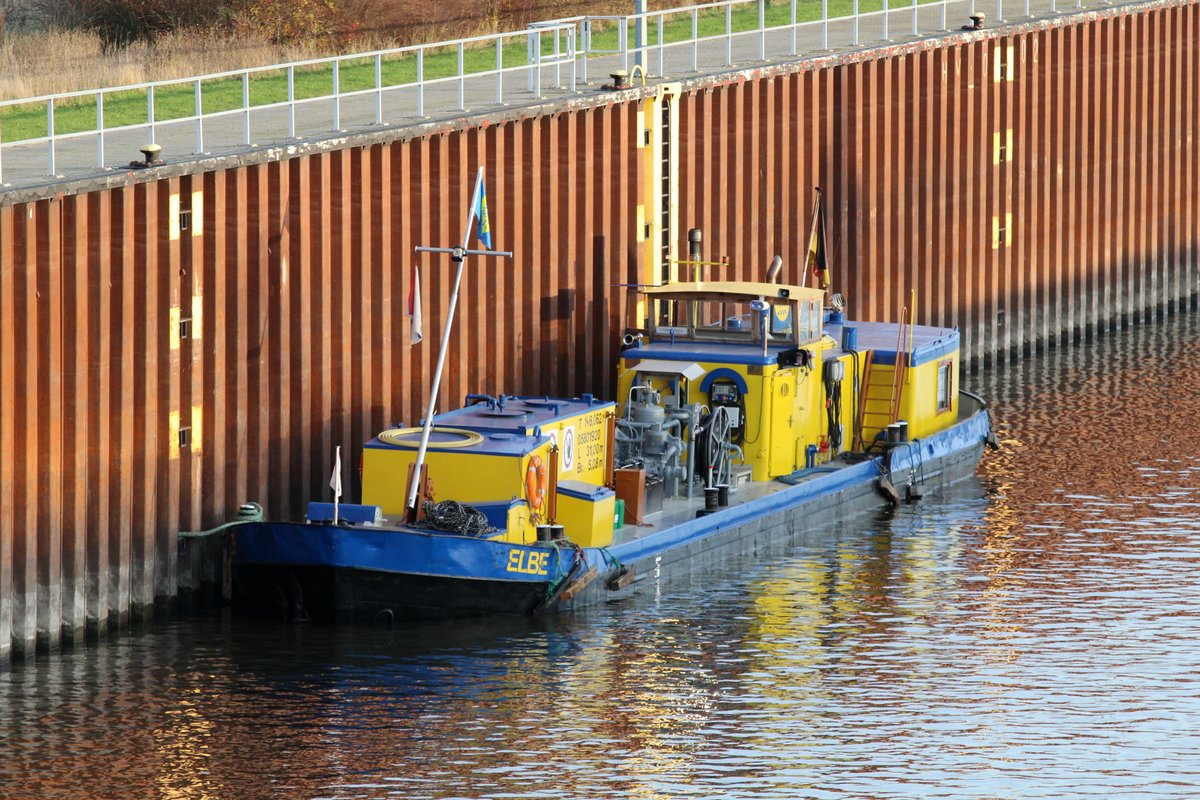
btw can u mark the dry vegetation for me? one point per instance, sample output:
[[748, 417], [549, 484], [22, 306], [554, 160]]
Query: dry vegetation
[[46, 55], [80, 61]]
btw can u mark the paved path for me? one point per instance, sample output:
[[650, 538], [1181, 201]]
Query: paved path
[[27, 165]]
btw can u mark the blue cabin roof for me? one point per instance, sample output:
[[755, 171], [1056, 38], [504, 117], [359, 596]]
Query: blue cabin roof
[[928, 342], [510, 427]]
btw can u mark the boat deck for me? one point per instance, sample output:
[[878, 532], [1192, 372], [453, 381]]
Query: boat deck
[[677, 510]]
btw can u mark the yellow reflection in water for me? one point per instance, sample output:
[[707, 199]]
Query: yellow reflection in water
[[183, 748]]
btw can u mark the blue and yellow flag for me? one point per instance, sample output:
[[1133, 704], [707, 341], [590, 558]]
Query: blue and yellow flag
[[481, 213]]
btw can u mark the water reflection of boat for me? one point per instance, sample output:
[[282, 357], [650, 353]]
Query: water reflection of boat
[[747, 410]]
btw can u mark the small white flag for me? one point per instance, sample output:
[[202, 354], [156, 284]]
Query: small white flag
[[414, 307], [335, 480]]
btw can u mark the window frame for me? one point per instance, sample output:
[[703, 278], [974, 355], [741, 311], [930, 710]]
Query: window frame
[[948, 366]]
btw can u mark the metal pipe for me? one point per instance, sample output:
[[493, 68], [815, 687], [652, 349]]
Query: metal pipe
[[774, 270]]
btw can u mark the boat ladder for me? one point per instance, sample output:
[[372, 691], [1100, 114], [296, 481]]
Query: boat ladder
[[881, 398]]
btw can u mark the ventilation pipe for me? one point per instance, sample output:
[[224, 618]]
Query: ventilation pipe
[[774, 270]]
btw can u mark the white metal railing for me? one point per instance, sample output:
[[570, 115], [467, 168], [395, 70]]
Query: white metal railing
[[565, 46], [562, 54]]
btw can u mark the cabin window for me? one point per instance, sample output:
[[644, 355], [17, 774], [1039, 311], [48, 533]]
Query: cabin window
[[945, 385], [808, 326]]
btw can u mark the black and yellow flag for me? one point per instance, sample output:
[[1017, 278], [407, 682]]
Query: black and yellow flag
[[817, 260]]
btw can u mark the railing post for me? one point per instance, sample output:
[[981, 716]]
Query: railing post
[[557, 59], [662, 48], [150, 114], [695, 40], [639, 32], [2, 157], [291, 76], [586, 43], [999, 10], [100, 130], [537, 67], [421, 82], [499, 71], [854, 27], [378, 89], [529, 53], [824, 24], [885, 20], [762, 30], [246, 107], [50, 133], [914, 30], [793, 27], [943, 26], [1026, 8], [729, 36], [570, 36], [462, 89], [623, 43], [337, 95], [198, 102]]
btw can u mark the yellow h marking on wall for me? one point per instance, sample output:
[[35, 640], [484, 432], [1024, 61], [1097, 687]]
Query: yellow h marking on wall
[[197, 213], [197, 316], [173, 435], [173, 216], [197, 428], [1003, 63], [1002, 146], [1002, 231]]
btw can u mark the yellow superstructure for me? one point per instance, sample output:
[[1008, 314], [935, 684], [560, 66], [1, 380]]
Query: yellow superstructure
[[504, 456]]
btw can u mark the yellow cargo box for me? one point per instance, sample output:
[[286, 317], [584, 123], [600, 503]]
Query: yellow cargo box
[[586, 513]]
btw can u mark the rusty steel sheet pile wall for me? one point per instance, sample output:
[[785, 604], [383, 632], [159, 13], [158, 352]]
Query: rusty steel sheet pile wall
[[1034, 188], [258, 306], [290, 280]]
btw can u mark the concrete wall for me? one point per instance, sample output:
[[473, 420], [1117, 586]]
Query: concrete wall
[[258, 300]]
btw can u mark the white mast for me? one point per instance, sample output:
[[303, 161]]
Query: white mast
[[458, 254]]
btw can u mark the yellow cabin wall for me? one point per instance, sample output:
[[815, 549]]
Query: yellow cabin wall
[[589, 431], [785, 409], [456, 475], [918, 404]]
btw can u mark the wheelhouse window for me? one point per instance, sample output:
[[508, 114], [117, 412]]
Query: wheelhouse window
[[945, 385]]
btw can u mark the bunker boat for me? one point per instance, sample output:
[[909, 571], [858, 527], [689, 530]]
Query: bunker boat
[[746, 412]]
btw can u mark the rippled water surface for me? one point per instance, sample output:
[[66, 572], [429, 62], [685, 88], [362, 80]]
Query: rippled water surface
[[1035, 633]]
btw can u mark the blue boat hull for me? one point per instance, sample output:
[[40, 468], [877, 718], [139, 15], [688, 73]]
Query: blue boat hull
[[299, 570]]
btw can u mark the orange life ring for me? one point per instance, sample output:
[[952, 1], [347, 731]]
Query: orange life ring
[[536, 483]]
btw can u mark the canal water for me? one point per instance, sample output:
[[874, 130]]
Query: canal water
[[1033, 633]]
